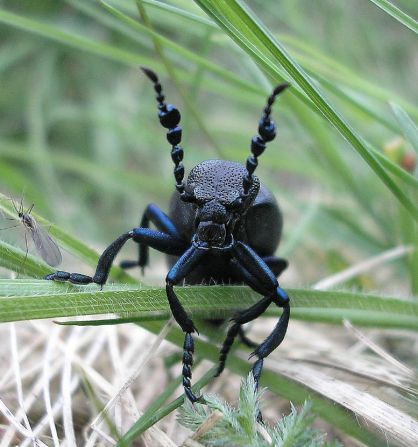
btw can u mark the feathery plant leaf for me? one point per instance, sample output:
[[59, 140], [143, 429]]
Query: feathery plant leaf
[[239, 426]]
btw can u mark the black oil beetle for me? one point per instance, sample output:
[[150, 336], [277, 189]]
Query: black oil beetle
[[223, 225]]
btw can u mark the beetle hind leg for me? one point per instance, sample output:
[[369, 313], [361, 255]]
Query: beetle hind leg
[[239, 319], [245, 340]]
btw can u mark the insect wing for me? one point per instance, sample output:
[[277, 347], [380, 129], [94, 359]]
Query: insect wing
[[46, 246]]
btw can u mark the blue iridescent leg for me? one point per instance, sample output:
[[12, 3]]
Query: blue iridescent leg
[[259, 277], [178, 272], [275, 264], [163, 223], [155, 239]]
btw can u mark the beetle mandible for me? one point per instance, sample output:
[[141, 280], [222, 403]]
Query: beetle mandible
[[223, 225]]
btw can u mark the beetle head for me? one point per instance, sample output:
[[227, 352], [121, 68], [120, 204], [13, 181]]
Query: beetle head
[[216, 187]]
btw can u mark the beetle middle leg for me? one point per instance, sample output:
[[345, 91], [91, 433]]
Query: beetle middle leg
[[256, 273], [163, 223]]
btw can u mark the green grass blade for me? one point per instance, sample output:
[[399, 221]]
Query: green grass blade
[[152, 418], [251, 35], [200, 301], [178, 49], [113, 321], [332, 69], [15, 259], [397, 14], [75, 41], [170, 10], [187, 99], [407, 126], [123, 183], [119, 55]]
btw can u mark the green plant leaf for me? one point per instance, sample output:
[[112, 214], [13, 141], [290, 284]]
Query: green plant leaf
[[408, 127], [45, 299], [22, 263], [397, 14]]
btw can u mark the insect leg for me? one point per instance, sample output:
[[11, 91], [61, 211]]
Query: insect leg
[[155, 239], [276, 265], [181, 268], [238, 320], [152, 214], [244, 316], [26, 255], [257, 275], [245, 340]]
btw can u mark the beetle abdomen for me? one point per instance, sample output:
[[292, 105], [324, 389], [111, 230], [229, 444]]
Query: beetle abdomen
[[263, 224]]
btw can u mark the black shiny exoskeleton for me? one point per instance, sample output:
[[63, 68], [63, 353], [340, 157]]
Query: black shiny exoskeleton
[[223, 226]]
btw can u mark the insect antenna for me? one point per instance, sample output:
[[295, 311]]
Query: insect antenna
[[267, 132], [169, 117]]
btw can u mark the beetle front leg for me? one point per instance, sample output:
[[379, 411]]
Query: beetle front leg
[[177, 273], [163, 223], [155, 239], [276, 265]]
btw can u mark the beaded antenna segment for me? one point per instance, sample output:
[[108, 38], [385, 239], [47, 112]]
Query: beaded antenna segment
[[266, 132]]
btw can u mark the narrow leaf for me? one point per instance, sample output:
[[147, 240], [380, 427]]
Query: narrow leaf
[[397, 14]]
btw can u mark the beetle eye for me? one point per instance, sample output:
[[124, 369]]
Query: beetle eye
[[236, 204], [187, 197]]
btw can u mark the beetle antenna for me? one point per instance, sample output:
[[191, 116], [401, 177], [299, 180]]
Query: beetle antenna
[[169, 117], [267, 132]]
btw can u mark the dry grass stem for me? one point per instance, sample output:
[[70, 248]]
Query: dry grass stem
[[377, 349], [399, 427], [362, 267], [138, 367]]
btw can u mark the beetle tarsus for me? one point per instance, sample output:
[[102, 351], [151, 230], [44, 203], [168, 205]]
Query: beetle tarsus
[[126, 265], [188, 350]]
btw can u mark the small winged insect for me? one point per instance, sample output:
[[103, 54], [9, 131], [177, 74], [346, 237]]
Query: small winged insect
[[45, 245]]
